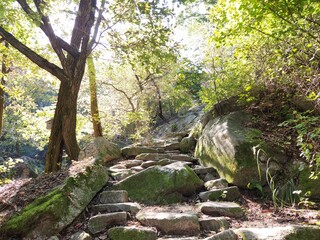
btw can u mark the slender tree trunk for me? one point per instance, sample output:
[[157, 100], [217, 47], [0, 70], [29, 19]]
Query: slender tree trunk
[[97, 128], [63, 132], [4, 71]]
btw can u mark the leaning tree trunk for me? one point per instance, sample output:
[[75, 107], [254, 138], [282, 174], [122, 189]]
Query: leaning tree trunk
[[63, 131], [96, 122]]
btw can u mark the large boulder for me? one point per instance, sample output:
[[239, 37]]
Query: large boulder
[[102, 150], [228, 145], [48, 215], [161, 184]]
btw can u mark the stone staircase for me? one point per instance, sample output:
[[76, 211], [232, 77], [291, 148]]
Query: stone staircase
[[207, 214]]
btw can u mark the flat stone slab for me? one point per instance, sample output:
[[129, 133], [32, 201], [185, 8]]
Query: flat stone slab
[[225, 235], [182, 238], [215, 224], [204, 170], [130, 207], [100, 222], [132, 233], [159, 156], [132, 163], [132, 151], [161, 162], [292, 232], [216, 184], [172, 146], [227, 194], [115, 196], [174, 223], [228, 209]]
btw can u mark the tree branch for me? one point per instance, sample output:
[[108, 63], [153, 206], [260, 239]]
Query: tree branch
[[34, 57]]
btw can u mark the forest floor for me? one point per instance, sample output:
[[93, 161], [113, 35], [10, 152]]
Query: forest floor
[[260, 211]]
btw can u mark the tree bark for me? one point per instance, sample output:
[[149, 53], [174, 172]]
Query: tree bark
[[97, 128], [4, 71], [63, 132]]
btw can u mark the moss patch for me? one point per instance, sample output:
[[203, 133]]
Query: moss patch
[[49, 214]]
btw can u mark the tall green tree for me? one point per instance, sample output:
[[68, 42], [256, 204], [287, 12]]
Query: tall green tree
[[69, 67]]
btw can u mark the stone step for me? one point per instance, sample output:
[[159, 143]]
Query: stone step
[[133, 150], [130, 207], [228, 209], [114, 196], [159, 156], [215, 224], [179, 238], [172, 146], [101, 222], [132, 233], [225, 235], [174, 223], [293, 232], [226, 194], [216, 184], [204, 170]]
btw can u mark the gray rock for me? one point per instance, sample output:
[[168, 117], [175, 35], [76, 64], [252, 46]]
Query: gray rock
[[66, 203], [227, 194], [81, 236], [133, 163], [132, 233], [53, 238], [180, 238], [229, 146], [119, 196], [204, 170], [130, 207], [187, 144], [215, 224], [228, 209], [165, 184], [101, 149], [216, 184], [100, 222], [133, 150], [149, 163], [159, 156], [121, 174], [170, 222], [291, 232], [225, 235], [172, 146]]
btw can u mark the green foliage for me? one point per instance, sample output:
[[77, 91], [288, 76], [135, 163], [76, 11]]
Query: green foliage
[[190, 78], [308, 138]]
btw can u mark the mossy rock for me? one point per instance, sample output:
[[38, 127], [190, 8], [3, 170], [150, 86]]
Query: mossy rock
[[48, 215], [227, 145], [161, 184], [132, 233]]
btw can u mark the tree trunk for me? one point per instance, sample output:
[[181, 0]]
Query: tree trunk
[[63, 132], [97, 128], [4, 71]]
